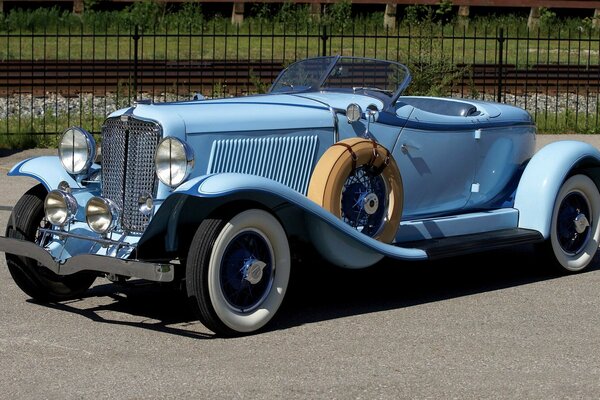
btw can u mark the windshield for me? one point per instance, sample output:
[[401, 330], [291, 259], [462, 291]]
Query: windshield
[[343, 74], [303, 75]]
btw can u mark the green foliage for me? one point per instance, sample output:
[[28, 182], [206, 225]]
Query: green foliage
[[434, 78], [145, 14], [262, 11], [154, 15], [494, 21], [219, 90], [338, 15], [547, 17], [37, 20], [433, 72], [90, 4], [255, 80], [291, 14], [443, 12], [422, 14], [19, 141], [413, 15], [566, 122], [188, 18], [287, 14], [25, 133], [587, 24], [47, 141]]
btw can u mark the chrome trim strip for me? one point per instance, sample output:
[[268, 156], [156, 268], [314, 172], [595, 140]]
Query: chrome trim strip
[[336, 128], [89, 262], [105, 242]]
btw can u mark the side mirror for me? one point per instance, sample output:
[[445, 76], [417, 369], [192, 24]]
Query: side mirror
[[372, 115]]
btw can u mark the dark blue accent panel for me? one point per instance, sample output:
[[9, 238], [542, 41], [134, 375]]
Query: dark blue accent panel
[[470, 123]]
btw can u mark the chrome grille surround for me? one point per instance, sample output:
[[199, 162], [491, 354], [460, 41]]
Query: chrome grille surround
[[128, 147], [286, 159]]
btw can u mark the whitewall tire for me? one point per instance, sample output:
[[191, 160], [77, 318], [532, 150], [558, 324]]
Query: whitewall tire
[[238, 271], [575, 227]]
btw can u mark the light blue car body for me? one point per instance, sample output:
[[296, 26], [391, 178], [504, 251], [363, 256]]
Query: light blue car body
[[462, 175]]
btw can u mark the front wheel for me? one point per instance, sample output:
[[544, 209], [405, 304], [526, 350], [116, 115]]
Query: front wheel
[[238, 271], [34, 279], [575, 228]]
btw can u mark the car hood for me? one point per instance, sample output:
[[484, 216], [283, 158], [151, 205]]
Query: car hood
[[252, 113]]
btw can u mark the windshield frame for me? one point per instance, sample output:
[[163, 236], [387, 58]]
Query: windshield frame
[[318, 87]]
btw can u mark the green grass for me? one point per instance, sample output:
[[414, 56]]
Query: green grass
[[24, 133], [270, 34], [408, 46], [567, 122]]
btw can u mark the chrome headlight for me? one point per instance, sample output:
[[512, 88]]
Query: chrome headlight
[[60, 207], [174, 161], [101, 214], [353, 112], [77, 150]]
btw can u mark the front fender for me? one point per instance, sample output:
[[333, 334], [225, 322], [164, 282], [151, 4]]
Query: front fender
[[48, 170], [543, 177], [334, 239]]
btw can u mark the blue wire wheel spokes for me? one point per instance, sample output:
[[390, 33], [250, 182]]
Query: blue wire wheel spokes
[[364, 201], [247, 273], [573, 223]]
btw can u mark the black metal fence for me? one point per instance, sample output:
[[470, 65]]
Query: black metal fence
[[51, 80]]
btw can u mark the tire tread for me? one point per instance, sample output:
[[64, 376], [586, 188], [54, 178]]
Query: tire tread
[[197, 265], [22, 224]]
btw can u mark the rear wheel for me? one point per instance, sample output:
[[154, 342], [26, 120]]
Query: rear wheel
[[575, 228], [238, 271], [34, 279]]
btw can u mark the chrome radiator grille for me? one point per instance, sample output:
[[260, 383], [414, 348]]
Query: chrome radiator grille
[[128, 147], [288, 160]]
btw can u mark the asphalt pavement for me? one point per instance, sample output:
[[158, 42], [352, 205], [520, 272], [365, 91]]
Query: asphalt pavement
[[493, 325]]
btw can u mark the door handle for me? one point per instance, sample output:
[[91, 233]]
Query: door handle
[[407, 146]]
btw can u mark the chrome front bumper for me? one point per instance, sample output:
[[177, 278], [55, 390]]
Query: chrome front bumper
[[89, 262]]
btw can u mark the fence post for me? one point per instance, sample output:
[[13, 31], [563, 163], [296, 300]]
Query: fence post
[[324, 38], [500, 64], [136, 39]]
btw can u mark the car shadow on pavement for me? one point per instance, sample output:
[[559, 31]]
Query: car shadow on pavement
[[8, 152], [141, 304], [320, 292]]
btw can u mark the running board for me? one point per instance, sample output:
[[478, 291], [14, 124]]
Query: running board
[[475, 243]]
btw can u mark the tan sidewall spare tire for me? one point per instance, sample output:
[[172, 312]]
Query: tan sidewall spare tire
[[334, 168]]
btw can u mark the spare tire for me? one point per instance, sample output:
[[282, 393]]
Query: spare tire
[[358, 181]]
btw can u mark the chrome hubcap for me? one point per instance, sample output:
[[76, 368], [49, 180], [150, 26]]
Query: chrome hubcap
[[581, 223], [252, 271], [572, 225], [371, 203]]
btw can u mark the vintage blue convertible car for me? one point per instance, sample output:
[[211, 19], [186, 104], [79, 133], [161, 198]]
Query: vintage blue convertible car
[[210, 193]]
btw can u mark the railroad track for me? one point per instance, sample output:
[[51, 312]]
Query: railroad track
[[238, 77]]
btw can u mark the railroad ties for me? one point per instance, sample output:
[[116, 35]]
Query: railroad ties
[[70, 78]]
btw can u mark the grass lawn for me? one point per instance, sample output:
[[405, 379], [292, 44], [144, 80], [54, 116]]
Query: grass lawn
[[281, 42]]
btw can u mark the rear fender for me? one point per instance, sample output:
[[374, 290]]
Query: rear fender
[[180, 214], [545, 174]]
